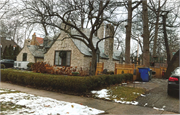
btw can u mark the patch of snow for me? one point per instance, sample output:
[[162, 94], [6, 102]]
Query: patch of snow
[[162, 109], [126, 102], [37, 105], [135, 103], [124, 83], [1, 91], [101, 94], [145, 104], [104, 94], [114, 96], [143, 95], [136, 82]]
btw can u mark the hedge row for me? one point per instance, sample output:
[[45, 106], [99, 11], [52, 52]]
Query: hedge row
[[63, 83]]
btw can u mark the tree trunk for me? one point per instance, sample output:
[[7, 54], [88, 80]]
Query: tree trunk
[[156, 35], [128, 33], [166, 39], [93, 63], [174, 63], [145, 35]]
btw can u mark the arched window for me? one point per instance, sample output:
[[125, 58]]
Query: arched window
[[24, 56]]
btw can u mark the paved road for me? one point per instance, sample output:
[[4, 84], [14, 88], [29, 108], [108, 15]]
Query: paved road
[[157, 96], [107, 106]]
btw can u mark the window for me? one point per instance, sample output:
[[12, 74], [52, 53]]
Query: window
[[98, 55], [24, 56], [62, 58]]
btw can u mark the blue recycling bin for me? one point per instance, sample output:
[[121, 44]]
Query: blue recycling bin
[[144, 73]]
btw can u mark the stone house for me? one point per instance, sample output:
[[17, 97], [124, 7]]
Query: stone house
[[32, 50], [71, 52]]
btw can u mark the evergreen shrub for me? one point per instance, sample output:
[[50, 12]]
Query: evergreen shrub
[[63, 83]]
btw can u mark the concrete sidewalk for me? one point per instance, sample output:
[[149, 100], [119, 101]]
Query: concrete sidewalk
[[108, 107]]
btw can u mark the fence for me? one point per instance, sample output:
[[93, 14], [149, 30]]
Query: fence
[[130, 68], [99, 68], [124, 68], [159, 71]]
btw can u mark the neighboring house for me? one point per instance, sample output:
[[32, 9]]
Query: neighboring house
[[33, 50], [5, 41], [72, 52]]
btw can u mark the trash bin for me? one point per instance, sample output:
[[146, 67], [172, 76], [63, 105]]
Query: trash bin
[[144, 73]]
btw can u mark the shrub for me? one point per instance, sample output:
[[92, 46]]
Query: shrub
[[29, 65], [63, 83], [39, 67], [110, 72], [3, 66], [43, 67], [75, 73]]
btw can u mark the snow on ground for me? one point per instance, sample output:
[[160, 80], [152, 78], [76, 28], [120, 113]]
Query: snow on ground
[[162, 109], [36, 105], [104, 94]]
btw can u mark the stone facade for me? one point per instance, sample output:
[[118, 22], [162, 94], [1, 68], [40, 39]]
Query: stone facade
[[108, 64], [65, 45], [30, 57], [39, 59]]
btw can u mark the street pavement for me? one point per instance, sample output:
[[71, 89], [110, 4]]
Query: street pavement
[[108, 106]]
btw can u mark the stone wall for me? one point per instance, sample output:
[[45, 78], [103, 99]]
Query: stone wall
[[30, 57], [77, 58], [109, 65], [39, 59]]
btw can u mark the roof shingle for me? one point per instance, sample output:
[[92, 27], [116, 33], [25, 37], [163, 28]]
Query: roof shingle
[[39, 40]]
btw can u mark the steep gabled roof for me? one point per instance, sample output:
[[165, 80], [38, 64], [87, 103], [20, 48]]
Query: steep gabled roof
[[36, 51], [86, 51], [39, 40]]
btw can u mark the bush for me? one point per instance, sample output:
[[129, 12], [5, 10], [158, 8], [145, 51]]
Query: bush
[[29, 65], [3, 66], [110, 72], [75, 73], [64, 83]]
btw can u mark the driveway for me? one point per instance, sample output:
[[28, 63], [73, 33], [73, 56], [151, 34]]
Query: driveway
[[157, 96]]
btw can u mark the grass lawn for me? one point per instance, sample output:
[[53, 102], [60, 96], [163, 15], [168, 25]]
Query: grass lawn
[[120, 94], [125, 93]]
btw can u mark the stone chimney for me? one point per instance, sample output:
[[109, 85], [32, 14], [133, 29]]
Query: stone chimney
[[109, 43], [100, 32], [33, 41], [66, 27], [27, 42]]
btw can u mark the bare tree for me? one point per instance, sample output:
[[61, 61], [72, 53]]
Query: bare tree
[[157, 11], [128, 28], [69, 13], [145, 34], [3, 4]]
